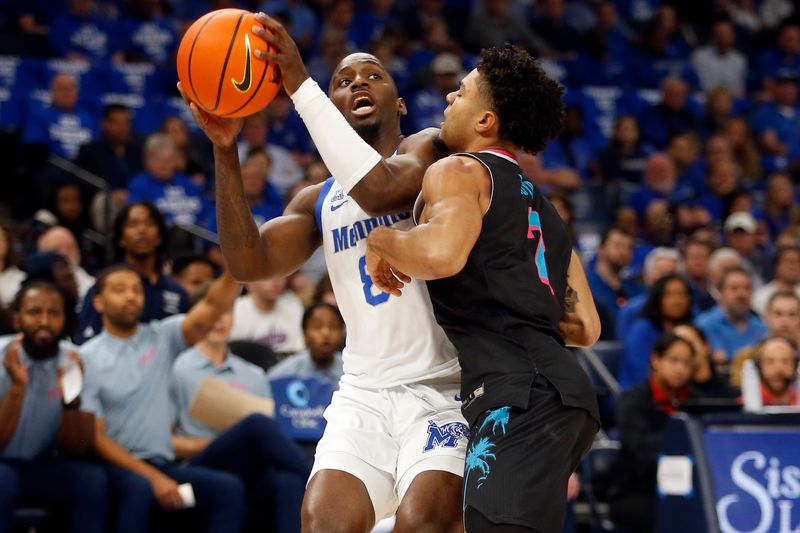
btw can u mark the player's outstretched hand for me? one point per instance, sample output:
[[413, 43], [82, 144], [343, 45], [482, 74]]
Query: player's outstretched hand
[[384, 276], [221, 131], [281, 49]]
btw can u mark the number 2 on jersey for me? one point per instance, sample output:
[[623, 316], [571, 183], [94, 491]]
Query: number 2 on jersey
[[372, 299]]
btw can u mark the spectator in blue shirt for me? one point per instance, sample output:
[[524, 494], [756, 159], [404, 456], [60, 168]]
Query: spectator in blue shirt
[[609, 278], [553, 29], [62, 127], [669, 303], [775, 124], [149, 36], [732, 325], [722, 183], [786, 56], [684, 150], [272, 467], [598, 64], [323, 328], [31, 410], [303, 22], [81, 34], [671, 116], [370, 22], [697, 267], [660, 183], [572, 148], [264, 199], [174, 194], [140, 235], [127, 389], [781, 204]]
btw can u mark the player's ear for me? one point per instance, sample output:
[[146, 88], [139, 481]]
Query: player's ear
[[487, 122], [402, 110]]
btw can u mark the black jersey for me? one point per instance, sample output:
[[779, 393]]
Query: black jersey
[[502, 311]]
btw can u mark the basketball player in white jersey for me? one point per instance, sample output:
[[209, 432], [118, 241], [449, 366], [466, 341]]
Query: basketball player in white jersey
[[395, 439]]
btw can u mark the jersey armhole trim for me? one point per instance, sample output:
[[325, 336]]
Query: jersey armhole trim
[[491, 176], [323, 193]]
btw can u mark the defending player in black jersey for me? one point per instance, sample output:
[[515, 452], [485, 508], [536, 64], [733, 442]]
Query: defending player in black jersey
[[508, 290]]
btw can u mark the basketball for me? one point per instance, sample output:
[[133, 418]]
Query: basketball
[[218, 69]]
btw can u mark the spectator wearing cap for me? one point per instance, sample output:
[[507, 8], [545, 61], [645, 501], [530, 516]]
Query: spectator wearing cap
[[731, 325], [174, 194], [32, 411], [787, 278], [427, 107], [672, 115], [740, 234], [719, 63], [775, 124]]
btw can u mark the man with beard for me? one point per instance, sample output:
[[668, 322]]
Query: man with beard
[[30, 416], [609, 278], [731, 325], [127, 389], [140, 240], [777, 367]]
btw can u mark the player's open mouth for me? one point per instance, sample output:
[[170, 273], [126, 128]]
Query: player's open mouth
[[363, 105]]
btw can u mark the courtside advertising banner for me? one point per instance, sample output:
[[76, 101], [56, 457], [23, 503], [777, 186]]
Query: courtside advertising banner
[[756, 476]]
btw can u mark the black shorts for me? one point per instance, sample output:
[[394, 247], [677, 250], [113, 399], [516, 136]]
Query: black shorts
[[518, 461]]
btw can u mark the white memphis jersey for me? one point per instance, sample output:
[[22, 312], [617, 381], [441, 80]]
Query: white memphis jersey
[[391, 340]]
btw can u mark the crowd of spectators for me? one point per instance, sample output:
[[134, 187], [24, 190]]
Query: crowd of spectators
[[677, 173]]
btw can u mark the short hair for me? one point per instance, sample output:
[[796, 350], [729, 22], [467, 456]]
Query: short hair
[[782, 294], [35, 284], [729, 272], [109, 109], [122, 219], [607, 234], [158, 141], [528, 103], [257, 150], [721, 254], [784, 250], [697, 241], [668, 341], [652, 307], [320, 305], [660, 252], [102, 277], [182, 262]]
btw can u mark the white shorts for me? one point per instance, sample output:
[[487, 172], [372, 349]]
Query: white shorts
[[386, 437]]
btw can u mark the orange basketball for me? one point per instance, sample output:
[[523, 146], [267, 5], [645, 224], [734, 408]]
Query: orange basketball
[[218, 68]]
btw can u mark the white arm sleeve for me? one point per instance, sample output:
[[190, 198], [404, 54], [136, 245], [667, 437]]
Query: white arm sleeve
[[346, 155]]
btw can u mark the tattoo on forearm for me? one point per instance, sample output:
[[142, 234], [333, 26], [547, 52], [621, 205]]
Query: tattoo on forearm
[[234, 221], [570, 299]]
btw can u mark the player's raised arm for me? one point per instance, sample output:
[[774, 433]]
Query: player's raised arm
[[282, 244], [380, 183], [456, 192]]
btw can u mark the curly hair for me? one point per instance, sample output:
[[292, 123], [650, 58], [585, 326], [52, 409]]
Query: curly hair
[[528, 103]]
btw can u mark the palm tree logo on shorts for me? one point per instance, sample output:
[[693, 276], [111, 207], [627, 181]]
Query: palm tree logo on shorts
[[497, 417]]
